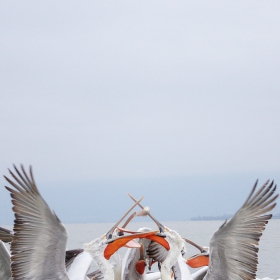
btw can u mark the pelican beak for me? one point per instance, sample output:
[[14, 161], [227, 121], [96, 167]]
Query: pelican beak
[[118, 242], [160, 239], [122, 230], [110, 232], [146, 210], [132, 244], [198, 260], [201, 249], [142, 252]]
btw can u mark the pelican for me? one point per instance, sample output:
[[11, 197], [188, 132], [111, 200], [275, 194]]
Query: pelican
[[135, 261], [168, 259], [234, 246], [39, 242]]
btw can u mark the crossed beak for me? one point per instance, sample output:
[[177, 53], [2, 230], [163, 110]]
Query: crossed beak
[[117, 243]]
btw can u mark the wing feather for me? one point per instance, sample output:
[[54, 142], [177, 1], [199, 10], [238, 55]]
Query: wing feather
[[6, 235], [234, 247], [39, 242]]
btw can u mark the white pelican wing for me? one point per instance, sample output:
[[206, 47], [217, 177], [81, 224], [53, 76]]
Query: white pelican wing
[[233, 248], [80, 266], [38, 246], [181, 270]]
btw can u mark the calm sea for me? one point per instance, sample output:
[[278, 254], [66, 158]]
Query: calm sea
[[198, 231]]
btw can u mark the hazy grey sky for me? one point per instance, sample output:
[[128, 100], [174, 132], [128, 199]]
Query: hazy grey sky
[[141, 91]]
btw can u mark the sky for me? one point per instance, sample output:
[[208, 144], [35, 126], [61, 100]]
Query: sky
[[177, 101]]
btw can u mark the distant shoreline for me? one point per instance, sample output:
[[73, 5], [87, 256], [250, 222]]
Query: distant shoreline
[[221, 218]]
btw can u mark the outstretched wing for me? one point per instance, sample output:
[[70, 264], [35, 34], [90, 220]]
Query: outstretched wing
[[234, 247], [39, 242]]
